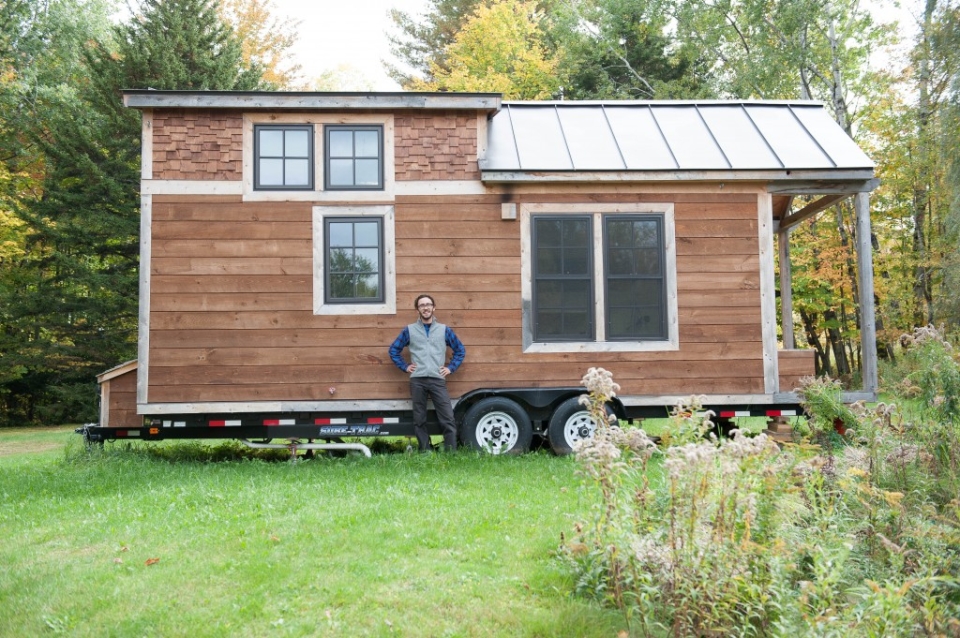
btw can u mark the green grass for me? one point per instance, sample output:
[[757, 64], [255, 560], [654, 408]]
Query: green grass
[[400, 544]]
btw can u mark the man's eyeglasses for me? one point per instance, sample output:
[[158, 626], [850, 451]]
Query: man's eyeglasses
[[425, 305]]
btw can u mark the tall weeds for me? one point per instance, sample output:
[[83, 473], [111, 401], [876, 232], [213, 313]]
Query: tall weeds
[[836, 535]]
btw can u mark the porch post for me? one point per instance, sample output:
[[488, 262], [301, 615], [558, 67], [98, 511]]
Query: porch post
[[868, 325], [786, 288]]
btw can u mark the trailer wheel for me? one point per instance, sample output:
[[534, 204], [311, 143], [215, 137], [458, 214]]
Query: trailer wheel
[[497, 425], [570, 422]]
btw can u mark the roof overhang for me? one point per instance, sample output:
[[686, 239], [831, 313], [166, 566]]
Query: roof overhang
[[280, 101], [791, 182]]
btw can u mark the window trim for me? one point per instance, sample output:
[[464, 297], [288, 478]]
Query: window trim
[[388, 304], [311, 157], [330, 128], [600, 343]]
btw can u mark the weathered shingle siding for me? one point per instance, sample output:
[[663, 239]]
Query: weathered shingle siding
[[197, 145], [436, 146]]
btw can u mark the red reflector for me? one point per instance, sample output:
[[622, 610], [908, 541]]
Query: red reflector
[[218, 424], [272, 422], [375, 420], [121, 434], [727, 415]]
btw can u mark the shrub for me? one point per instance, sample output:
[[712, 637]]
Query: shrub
[[741, 537]]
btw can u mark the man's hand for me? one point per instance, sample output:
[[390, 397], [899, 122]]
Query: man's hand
[[444, 371], [411, 368]]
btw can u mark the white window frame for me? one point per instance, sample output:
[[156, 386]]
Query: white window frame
[[317, 193], [389, 305], [599, 344]]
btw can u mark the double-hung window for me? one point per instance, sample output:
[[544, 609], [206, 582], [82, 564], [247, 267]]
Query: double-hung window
[[600, 278], [563, 278], [635, 294], [283, 157], [354, 157]]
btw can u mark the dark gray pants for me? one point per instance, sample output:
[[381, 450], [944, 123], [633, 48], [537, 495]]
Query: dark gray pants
[[422, 388]]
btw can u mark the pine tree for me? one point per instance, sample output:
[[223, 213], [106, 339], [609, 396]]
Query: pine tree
[[72, 309]]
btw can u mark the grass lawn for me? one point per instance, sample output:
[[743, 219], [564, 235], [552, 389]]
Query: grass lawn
[[123, 543]]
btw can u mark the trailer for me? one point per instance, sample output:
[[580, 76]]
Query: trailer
[[285, 235]]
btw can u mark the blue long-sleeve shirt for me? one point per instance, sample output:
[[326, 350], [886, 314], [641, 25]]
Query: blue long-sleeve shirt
[[403, 340]]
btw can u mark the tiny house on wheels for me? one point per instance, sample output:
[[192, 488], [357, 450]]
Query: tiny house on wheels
[[284, 237]]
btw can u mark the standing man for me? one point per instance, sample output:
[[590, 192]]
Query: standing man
[[428, 340]]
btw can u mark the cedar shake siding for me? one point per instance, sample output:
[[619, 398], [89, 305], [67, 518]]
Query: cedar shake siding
[[198, 145], [437, 146]]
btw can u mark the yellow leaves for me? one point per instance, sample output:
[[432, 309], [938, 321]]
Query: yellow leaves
[[499, 49]]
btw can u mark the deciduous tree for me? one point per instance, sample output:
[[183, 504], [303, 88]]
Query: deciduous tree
[[500, 48]]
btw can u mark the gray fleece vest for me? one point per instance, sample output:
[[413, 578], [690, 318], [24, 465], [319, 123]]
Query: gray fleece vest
[[428, 352]]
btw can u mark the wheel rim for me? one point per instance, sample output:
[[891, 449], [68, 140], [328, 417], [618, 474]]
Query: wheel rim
[[497, 432], [578, 427]]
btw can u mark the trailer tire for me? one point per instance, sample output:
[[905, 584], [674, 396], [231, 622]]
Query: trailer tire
[[497, 425], [569, 423]]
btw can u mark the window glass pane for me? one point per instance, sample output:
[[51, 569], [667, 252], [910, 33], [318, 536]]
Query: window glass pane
[[621, 261], [576, 261], [298, 172], [368, 172], [548, 260], [341, 172], [549, 323], [367, 143], [576, 233], [577, 324], [548, 232], [341, 234], [271, 172], [646, 234], [341, 260], [549, 294], [368, 287], [298, 144], [341, 286], [576, 294], [367, 233], [271, 143], [647, 262], [367, 260], [341, 144]]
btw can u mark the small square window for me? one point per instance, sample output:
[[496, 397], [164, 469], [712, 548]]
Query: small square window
[[283, 157], [354, 158]]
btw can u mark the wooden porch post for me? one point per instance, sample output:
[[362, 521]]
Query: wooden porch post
[[868, 326], [786, 288]]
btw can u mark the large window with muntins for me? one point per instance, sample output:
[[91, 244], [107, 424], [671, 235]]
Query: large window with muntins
[[353, 260], [283, 157], [599, 279], [354, 157]]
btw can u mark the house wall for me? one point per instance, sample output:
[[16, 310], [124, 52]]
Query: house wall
[[231, 281]]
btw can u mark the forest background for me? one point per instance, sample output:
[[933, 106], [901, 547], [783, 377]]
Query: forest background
[[70, 152]]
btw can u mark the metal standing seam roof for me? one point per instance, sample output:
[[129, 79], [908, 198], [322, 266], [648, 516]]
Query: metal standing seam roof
[[669, 136]]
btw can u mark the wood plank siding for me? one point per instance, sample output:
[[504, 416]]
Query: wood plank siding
[[231, 296], [119, 394]]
